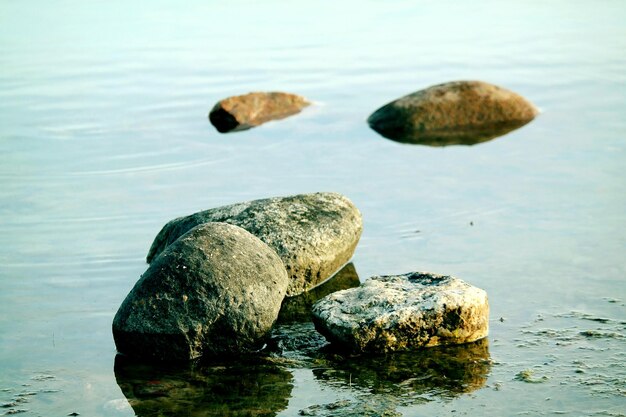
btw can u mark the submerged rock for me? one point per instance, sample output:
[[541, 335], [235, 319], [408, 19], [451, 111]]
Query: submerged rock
[[454, 113], [314, 234], [252, 109], [296, 344], [216, 290], [298, 308], [403, 312], [376, 406]]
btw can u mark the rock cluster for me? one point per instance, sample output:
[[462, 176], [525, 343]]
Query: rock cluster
[[249, 110], [217, 278], [459, 112], [403, 312], [314, 234]]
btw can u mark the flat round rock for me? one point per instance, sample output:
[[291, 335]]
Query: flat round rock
[[403, 312]]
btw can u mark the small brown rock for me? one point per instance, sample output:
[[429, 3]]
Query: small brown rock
[[249, 110]]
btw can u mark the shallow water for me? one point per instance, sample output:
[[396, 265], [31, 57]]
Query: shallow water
[[104, 137]]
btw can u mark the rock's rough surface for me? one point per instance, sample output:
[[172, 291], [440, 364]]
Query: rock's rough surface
[[216, 290], [314, 234], [252, 109], [403, 312], [459, 112]]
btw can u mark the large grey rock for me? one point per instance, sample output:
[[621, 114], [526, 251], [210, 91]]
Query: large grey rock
[[314, 234], [403, 312], [459, 112], [216, 290], [252, 109]]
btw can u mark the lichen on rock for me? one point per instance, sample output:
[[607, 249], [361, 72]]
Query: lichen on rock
[[403, 312], [314, 234]]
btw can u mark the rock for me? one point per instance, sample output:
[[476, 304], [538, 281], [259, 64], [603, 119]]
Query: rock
[[249, 110], [296, 344], [298, 308], [314, 234], [403, 312], [216, 291], [459, 112]]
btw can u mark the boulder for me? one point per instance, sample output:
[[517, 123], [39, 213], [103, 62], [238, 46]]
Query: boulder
[[216, 291], [314, 234], [403, 312], [459, 112], [252, 109]]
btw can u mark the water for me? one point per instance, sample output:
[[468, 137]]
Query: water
[[104, 137]]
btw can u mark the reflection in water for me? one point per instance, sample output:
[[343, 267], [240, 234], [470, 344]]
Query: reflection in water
[[412, 377], [298, 308], [468, 136], [250, 387], [262, 385]]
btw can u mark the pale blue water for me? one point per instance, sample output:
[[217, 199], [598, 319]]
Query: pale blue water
[[104, 137]]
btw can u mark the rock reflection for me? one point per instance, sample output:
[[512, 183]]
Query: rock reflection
[[298, 308], [467, 137], [412, 377], [252, 387]]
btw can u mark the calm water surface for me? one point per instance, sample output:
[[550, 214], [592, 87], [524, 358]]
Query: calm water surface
[[104, 137]]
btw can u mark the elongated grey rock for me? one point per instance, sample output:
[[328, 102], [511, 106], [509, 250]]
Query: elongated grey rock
[[314, 234], [403, 312], [249, 110], [459, 112], [217, 290]]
